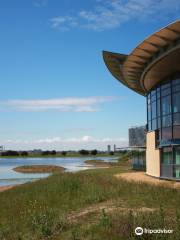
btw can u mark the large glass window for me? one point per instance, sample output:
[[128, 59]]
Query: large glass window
[[176, 102], [164, 109], [177, 172], [165, 91], [166, 133], [177, 155], [158, 92], [170, 163], [158, 108], [166, 121], [176, 119], [176, 132], [154, 110], [149, 112], [176, 81], [154, 124], [166, 105], [153, 95], [159, 123], [176, 88], [167, 155], [165, 86]]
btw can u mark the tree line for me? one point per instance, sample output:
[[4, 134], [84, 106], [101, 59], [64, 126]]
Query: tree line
[[82, 152]]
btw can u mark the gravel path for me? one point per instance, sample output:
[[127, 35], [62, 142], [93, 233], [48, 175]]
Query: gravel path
[[142, 177], [4, 188]]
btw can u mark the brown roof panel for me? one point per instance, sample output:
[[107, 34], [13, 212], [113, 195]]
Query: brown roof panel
[[130, 69], [167, 33], [158, 40], [175, 26]]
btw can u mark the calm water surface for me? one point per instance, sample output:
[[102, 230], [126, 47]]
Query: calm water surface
[[10, 177]]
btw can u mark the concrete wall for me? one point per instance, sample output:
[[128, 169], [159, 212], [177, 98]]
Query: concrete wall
[[152, 155]]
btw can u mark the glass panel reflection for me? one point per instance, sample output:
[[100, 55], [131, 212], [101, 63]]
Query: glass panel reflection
[[164, 109], [176, 119], [166, 105], [177, 155], [176, 132], [167, 133], [167, 155], [166, 121], [176, 102]]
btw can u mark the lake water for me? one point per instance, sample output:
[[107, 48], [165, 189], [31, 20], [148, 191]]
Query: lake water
[[10, 177]]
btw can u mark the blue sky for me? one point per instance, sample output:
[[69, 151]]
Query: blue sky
[[56, 92]]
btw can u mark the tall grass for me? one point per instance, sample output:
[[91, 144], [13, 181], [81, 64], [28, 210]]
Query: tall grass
[[39, 210]]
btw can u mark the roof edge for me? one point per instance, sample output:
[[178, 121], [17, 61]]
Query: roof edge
[[122, 58]]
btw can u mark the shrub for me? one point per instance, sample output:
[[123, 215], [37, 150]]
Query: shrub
[[44, 153], [64, 153], [10, 153], [94, 152], [84, 152], [24, 154], [53, 152]]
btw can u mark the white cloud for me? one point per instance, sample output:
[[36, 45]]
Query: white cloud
[[108, 14], [58, 143], [63, 23], [40, 3], [89, 104]]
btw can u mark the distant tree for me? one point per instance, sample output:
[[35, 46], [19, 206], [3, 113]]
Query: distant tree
[[44, 153], [24, 154], [111, 153], [84, 152], [64, 153], [10, 153], [53, 152], [94, 152]]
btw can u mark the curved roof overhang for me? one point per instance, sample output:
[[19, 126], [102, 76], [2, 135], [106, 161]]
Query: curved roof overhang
[[154, 59]]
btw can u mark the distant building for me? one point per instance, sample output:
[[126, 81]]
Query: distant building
[[1, 148], [139, 158], [137, 143], [36, 151], [114, 147], [137, 136], [109, 148]]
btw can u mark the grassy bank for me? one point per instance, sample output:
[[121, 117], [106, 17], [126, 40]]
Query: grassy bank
[[103, 164], [98, 163], [88, 205]]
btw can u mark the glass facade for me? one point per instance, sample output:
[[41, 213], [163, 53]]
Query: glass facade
[[138, 157], [170, 163], [163, 104], [163, 115]]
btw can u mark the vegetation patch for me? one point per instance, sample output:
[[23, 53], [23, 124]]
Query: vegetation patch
[[39, 169], [98, 163], [102, 163], [88, 205]]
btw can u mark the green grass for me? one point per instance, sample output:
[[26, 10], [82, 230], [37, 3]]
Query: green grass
[[39, 210]]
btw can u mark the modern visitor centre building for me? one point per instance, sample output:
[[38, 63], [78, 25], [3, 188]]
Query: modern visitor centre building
[[153, 70]]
